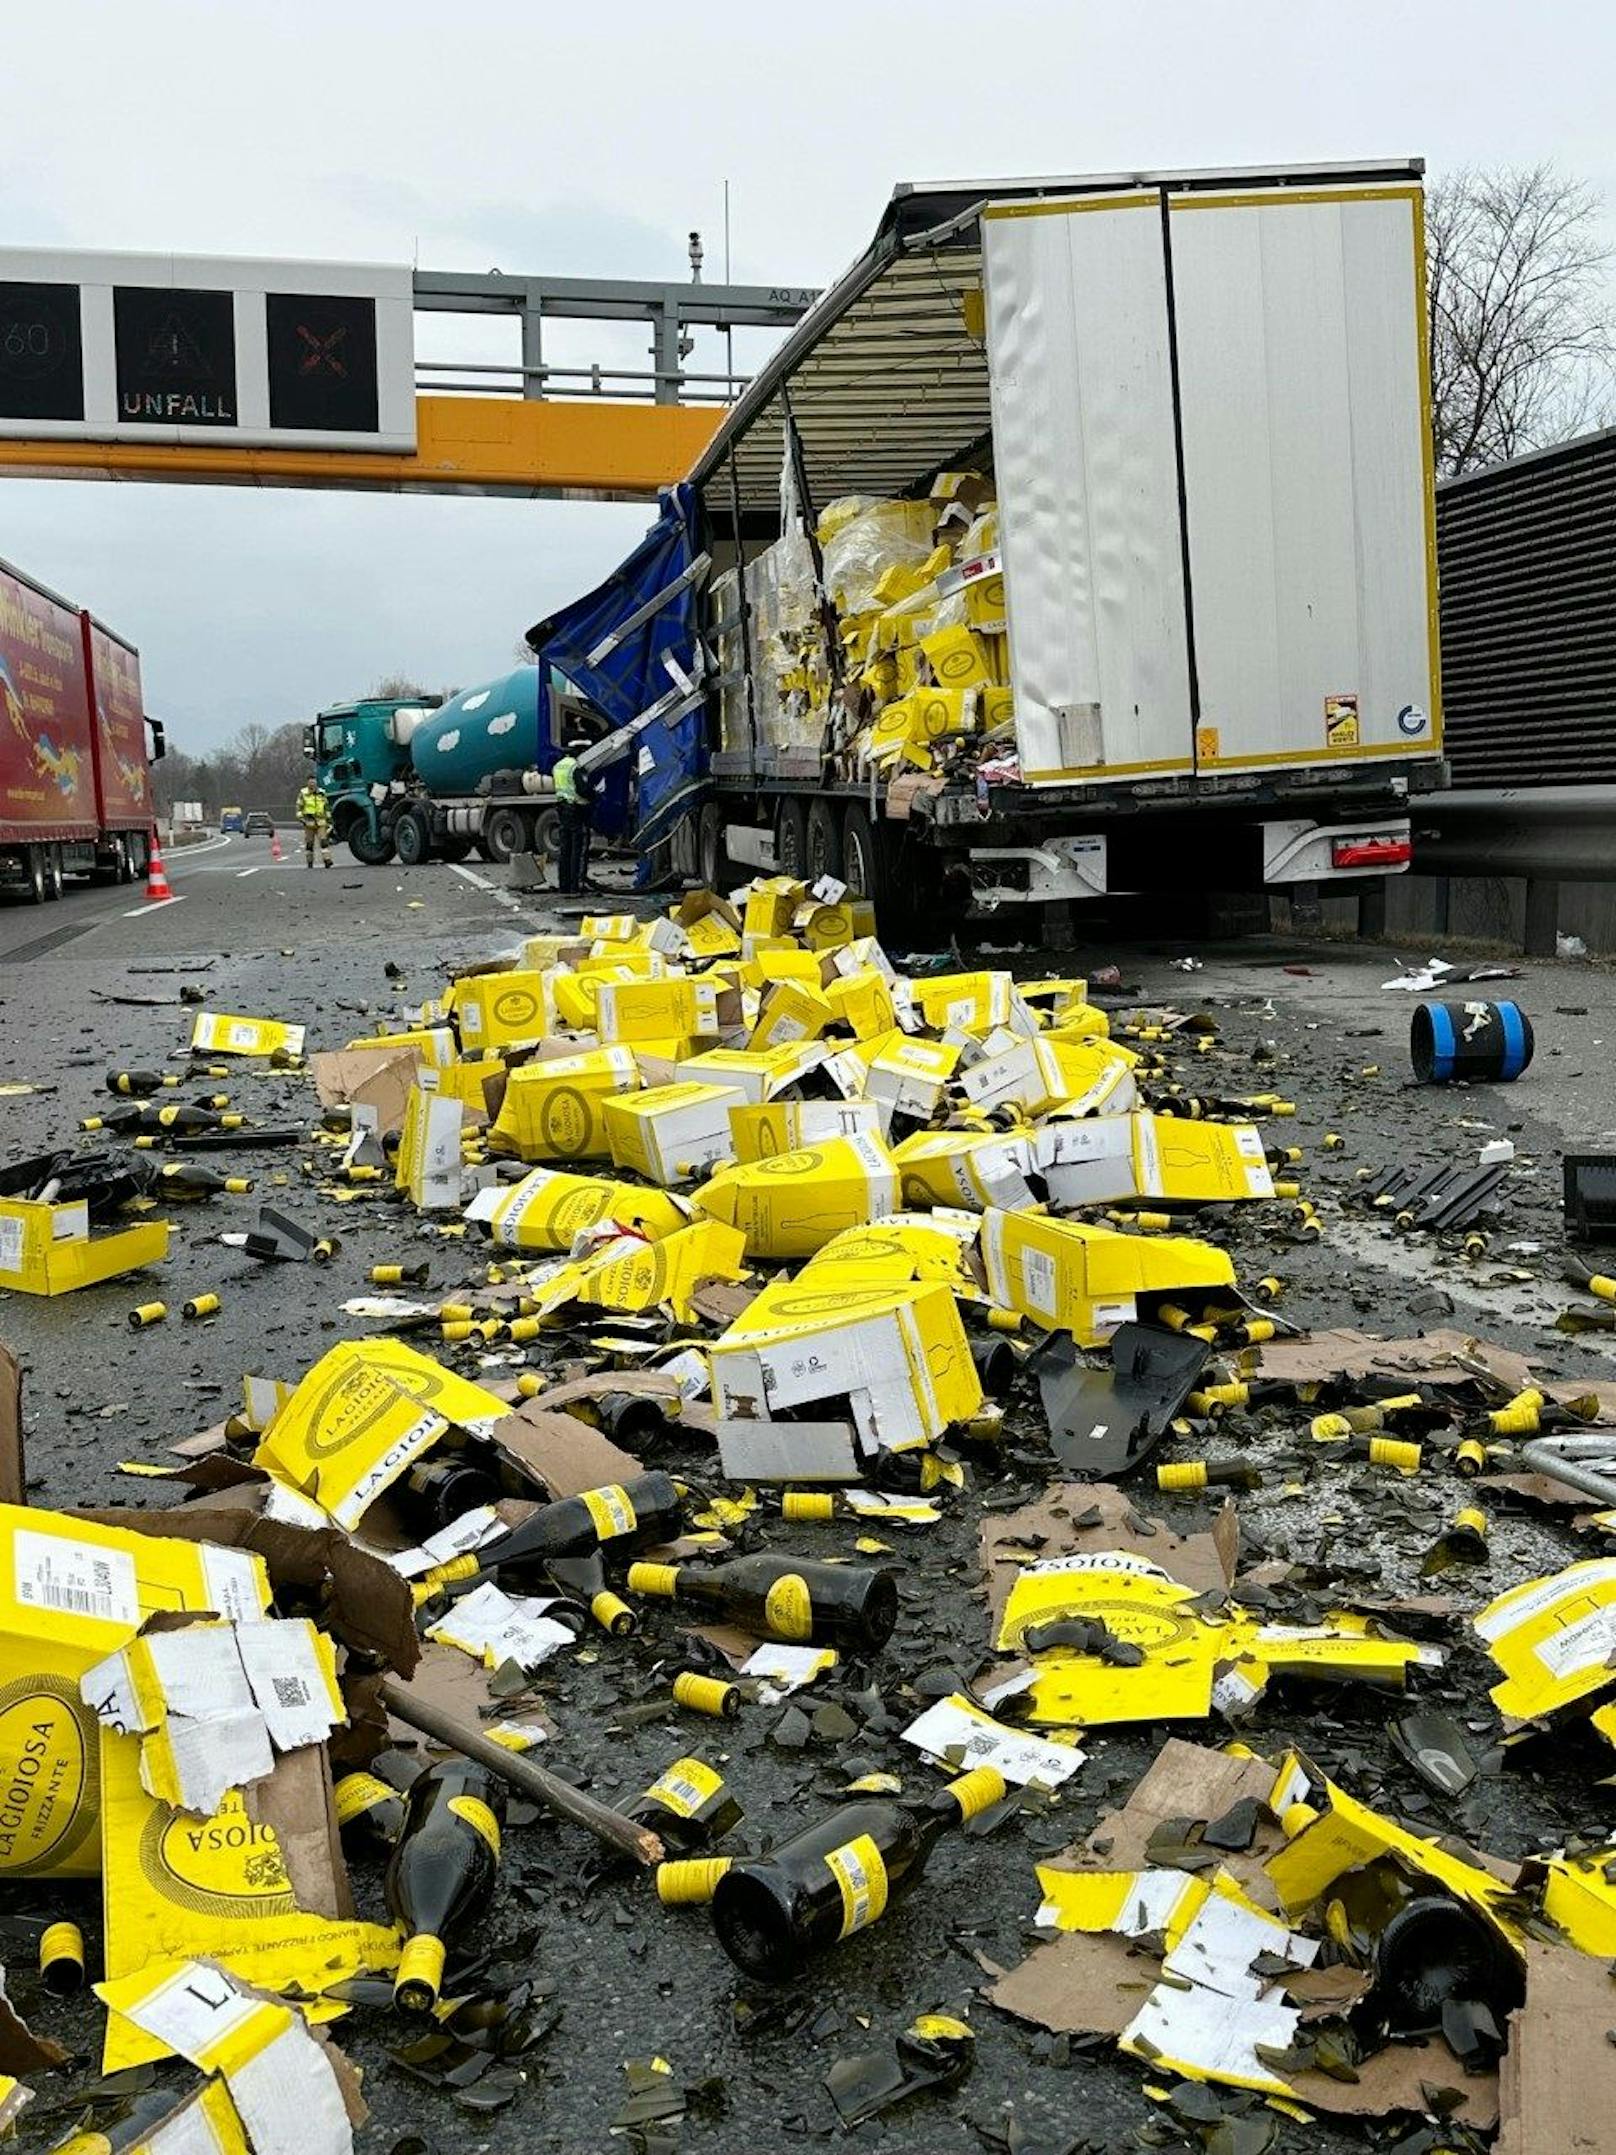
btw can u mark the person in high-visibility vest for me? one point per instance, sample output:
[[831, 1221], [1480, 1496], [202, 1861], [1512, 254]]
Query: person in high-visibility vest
[[314, 814], [575, 801]]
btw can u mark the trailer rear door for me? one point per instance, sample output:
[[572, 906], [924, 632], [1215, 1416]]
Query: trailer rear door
[[1212, 440]]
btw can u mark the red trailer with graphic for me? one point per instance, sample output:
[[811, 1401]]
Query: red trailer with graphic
[[75, 787]]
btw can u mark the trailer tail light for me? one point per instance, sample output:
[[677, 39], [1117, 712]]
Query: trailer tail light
[[1371, 853]]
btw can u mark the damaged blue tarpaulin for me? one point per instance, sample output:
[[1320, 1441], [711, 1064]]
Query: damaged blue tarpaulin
[[632, 644]]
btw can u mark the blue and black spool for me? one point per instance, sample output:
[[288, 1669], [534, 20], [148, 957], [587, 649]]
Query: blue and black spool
[[1469, 1043]]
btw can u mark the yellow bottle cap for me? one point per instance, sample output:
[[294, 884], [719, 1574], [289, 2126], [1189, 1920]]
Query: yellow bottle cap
[[1188, 1474], [706, 1694], [61, 1957], [528, 1386], [645, 1578], [807, 1504], [613, 1613], [420, 1974], [1394, 1452], [690, 1884], [979, 1790]]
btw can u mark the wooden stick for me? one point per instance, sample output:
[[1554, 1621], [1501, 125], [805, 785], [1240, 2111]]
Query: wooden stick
[[635, 1842]]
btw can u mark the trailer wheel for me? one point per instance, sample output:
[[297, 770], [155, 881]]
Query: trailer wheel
[[505, 834], [370, 850], [791, 840], [862, 860], [712, 855], [824, 848], [34, 889], [123, 867], [53, 872], [412, 835]]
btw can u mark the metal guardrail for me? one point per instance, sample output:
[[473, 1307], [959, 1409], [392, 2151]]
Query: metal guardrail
[[481, 378], [1554, 832]]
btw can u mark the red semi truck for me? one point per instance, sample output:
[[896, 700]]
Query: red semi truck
[[75, 783]]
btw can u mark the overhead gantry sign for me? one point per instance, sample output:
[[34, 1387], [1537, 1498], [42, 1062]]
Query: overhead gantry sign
[[271, 373]]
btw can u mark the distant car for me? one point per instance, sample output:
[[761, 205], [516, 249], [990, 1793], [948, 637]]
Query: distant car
[[259, 824], [231, 819]]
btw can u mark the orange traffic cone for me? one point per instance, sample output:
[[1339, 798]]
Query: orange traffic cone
[[275, 852], [156, 874]]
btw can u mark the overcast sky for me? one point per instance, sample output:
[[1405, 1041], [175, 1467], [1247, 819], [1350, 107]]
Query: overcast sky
[[587, 142]]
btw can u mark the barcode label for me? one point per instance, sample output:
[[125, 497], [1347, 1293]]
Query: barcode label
[[75, 1578], [291, 1691]]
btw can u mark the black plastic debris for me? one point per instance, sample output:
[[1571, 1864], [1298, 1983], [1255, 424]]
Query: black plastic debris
[[1105, 1422]]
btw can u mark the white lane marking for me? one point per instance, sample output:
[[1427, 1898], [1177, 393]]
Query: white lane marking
[[208, 845], [240, 872], [154, 905], [481, 882]]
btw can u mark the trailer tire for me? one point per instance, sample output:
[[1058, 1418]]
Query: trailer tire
[[123, 866], [53, 872], [712, 855], [504, 834], [412, 836], [369, 850], [33, 892], [791, 840], [825, 850], [863, 862]]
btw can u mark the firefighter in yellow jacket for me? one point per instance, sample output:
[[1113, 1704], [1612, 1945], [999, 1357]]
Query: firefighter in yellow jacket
[[314, 814]]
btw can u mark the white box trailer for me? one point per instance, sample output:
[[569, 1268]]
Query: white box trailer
[[1202, 401]]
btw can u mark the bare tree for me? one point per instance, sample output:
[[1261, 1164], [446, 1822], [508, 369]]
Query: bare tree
[[1523, 335], [396, 687]]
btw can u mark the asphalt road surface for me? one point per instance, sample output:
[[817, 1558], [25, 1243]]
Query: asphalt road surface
[[622, 1979]]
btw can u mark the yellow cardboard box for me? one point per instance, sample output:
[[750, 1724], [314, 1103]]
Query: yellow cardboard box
[[1104, 1158], [635, 1010], [759, 1132], [897, 1353], [554, 1109], [216, 1032], [634, 1275], [829, 927], [955, 1167], [862, 1001], [791, 1205], [360, 1416], [975, 1002], [548, 1209], [757, 1074], [770, 905], [49, 1249], [433, 1045], [1088, 1280], [494, 1008], [910, 1076], [72, 1592], [792, 1010], [671, 1133], [958, 658]]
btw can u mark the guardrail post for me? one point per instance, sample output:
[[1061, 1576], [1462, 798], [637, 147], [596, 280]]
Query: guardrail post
[[1542, 917]]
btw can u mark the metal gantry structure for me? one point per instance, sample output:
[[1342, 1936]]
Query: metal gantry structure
[[528, 428], [668, 309]]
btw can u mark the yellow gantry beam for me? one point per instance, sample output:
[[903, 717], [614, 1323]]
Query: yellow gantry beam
[[582, 451]]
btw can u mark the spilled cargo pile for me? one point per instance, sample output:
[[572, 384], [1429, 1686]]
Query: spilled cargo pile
[[733, 1273]]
